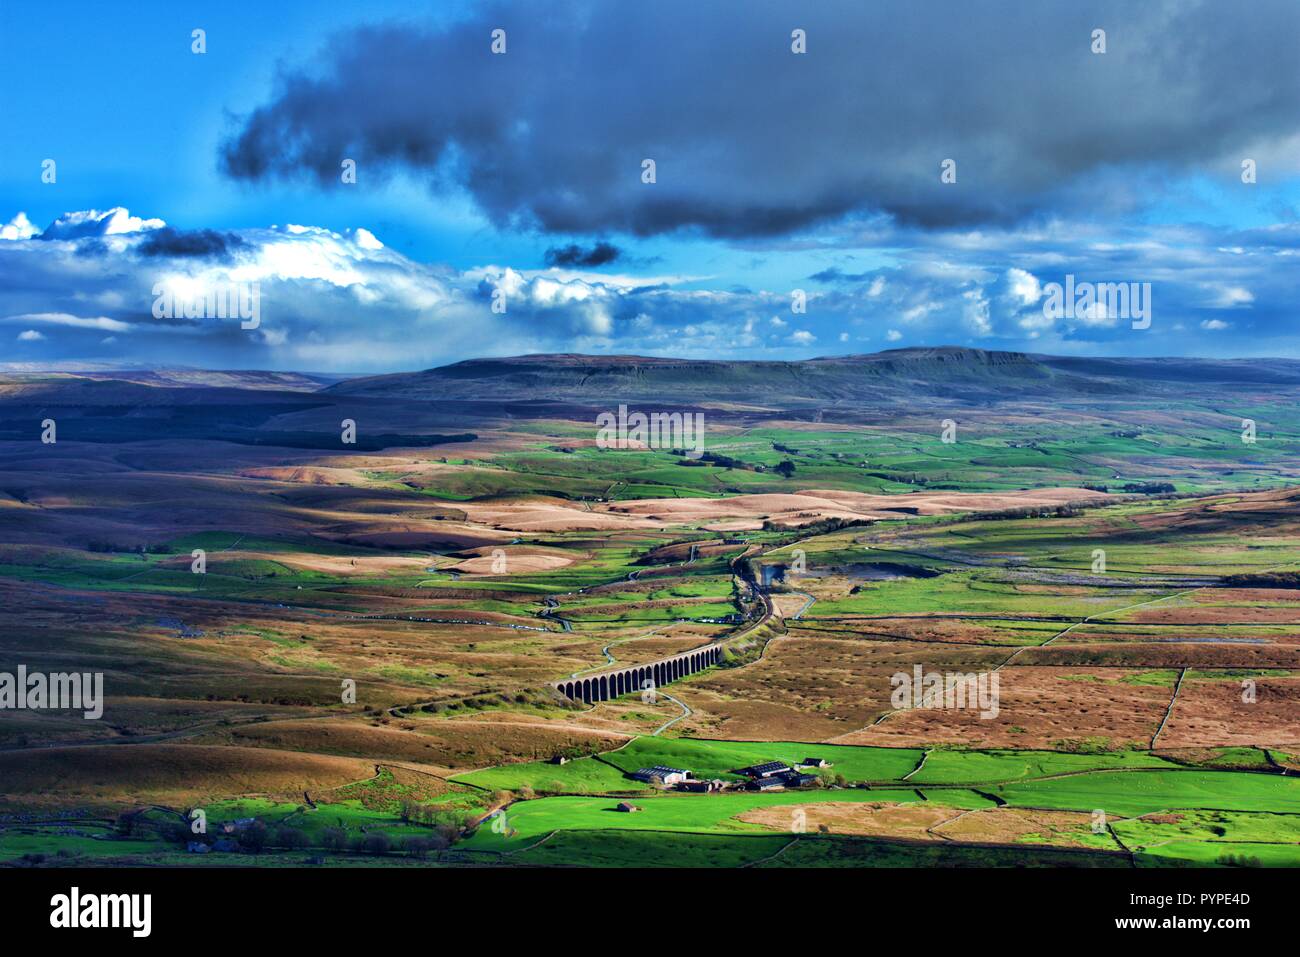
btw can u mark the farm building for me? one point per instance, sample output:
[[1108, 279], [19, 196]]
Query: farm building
[[559, 759], [700, 787], [662, 775], [815, 763], [774, 774], [626, 807], [765, 770]]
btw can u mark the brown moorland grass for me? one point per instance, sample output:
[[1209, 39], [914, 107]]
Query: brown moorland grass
[[517, 560], [446, 743], [811, 505], [876, 818], [943, 630], [844, 684], [1038, 708], [166, 773], [1249, 606], [933, 822], [309, 475], [1007, 825], [737, 719], [1165, 654], [1210, 712]]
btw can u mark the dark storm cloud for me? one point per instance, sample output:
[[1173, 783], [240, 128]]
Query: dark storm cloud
[[197, 243], [750, 139], [834, 274], [600, 254]]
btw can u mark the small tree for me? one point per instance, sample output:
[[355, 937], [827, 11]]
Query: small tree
[[417, 847], [448, 834], [334, 839], [376, 843], [178, 833], [289, 837], [253, 838]]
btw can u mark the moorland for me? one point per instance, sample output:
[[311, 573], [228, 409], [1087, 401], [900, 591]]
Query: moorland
[[1118, 541]]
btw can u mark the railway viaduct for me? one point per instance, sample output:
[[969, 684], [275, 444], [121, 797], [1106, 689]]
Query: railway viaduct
[[614, 684]]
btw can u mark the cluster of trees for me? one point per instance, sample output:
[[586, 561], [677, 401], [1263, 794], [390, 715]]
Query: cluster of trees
[[827, 778], [1263, 580], [717, 459], [785, 469], [820, 527], [253, 839], [379, 844], [479, 702], [444, 823], [1149, 488], [118, 548], [1134, 488], [1032, 511], [444, 818]]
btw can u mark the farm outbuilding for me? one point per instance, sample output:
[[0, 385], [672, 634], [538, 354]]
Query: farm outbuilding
[[796, 780], [662, 775], [765, 770]]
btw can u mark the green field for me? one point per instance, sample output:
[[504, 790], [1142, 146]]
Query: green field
[[1145, 792], [1210, 809], [529, 821], [944, 766]]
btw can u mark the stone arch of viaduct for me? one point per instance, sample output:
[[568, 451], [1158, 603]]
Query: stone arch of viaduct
[[614, 684]]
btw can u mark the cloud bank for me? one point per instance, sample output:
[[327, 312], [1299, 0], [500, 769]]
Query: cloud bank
[[751, 139], [85, 289]]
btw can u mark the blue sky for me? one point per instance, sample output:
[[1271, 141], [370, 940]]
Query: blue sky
[[777, 173], [138, 122]]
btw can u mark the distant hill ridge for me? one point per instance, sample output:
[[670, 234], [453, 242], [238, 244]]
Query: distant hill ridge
[[875, 377]]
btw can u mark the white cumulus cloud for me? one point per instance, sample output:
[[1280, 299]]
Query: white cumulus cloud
[[20, 227]]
